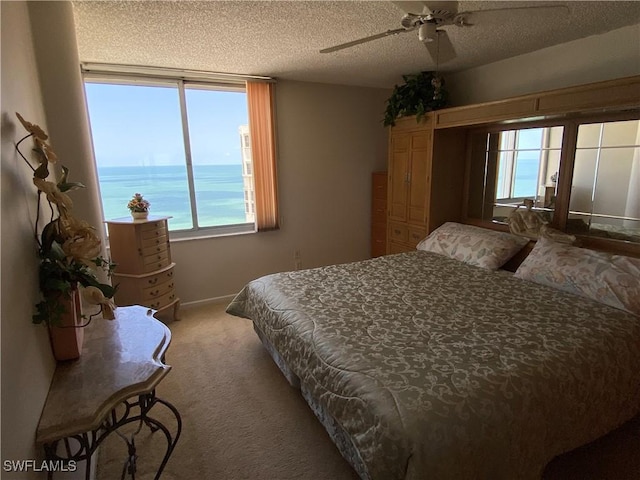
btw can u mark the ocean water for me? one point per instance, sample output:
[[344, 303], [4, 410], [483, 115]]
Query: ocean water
[[219, 193]]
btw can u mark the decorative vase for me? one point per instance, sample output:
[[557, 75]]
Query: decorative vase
[[140, 215], [68, 337]]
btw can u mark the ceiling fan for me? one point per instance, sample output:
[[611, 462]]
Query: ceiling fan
[[432, 16]]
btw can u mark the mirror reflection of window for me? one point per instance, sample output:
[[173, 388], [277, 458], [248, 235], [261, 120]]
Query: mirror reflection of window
[[605, 191], [512, 166]]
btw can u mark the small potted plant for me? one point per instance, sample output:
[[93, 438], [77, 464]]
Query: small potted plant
[[139, 207], [420, 93]]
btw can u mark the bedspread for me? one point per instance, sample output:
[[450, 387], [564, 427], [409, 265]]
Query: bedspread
[[442, 370]]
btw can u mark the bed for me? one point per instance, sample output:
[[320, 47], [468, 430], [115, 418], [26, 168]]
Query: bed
[[422, 366]]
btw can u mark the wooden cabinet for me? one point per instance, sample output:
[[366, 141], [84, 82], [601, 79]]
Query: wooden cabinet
[[378, 214], [410, 148], [425, 180], [144, 273], [622, 93]]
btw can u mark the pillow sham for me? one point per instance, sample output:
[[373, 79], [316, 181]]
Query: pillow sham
[[610, 279], [474, 245]]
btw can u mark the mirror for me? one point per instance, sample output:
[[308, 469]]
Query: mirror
[[605, 189], [511, 166], [508, 167]]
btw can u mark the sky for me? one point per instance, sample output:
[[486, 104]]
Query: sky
[[135, 125]]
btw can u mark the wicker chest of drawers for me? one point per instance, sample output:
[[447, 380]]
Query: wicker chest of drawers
[[144, 274]]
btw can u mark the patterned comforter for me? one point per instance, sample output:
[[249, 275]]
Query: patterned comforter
[[442, 370]]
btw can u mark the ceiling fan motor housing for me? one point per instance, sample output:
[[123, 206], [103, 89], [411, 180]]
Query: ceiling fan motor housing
[[427, 32], [427, 23]]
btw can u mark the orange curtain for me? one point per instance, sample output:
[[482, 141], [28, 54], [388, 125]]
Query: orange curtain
[[260, 97]]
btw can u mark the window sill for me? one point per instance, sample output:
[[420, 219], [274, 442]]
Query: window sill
[[212, 232]]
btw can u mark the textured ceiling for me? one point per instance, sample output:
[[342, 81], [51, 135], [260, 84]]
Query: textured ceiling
[[283, 38]]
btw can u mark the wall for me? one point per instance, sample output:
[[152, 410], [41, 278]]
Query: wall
[[27, 363], [54, 39], [611, 55], [330, 139]]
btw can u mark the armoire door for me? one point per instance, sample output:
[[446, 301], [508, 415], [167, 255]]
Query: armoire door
[[399, 176], [419, 176]]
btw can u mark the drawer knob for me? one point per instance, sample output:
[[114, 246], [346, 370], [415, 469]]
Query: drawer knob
[[153, 281]]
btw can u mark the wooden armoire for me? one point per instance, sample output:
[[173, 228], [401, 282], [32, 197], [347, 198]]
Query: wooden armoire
[[425, 180]]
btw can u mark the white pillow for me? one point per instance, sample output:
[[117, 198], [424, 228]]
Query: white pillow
[[610, 279], [474, 245]]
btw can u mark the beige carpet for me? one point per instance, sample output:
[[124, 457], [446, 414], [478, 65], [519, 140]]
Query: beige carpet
[[242, 420]]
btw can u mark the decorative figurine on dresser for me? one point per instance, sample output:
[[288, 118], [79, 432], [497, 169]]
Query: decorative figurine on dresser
[[140, 248]]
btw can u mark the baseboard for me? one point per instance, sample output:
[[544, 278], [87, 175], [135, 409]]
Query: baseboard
[[197, 303]]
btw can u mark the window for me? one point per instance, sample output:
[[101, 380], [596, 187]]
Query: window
[[528, 160], [185, 146]]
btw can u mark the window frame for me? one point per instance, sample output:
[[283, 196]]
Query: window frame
[[181, 84]]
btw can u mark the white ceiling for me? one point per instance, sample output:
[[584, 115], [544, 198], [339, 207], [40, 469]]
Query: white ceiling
[[283, 38]]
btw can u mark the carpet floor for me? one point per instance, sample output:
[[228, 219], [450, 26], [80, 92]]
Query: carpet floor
[[242, 420]]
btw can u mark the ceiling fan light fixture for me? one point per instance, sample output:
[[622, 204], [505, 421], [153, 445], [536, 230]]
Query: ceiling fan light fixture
[[427, 32]]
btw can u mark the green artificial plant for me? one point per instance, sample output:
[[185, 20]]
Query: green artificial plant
[[421, 93]]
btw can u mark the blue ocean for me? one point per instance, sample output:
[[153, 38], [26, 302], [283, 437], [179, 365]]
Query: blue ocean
[[219, 193]]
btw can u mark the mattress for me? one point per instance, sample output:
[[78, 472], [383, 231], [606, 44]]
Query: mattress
[[437, 369]]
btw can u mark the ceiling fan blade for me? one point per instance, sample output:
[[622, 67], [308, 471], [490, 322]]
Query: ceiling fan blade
[[441, 49], [410, 7], [365, 40], [459, 18], [419, 7]]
